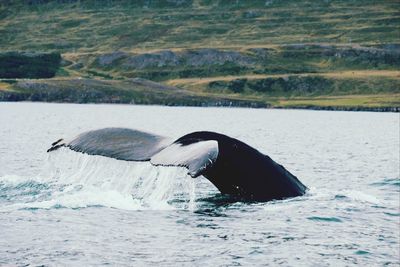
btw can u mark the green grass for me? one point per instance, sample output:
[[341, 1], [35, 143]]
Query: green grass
[[137, 91], [282, 53], [288, 85], [94, 26], [145, 92], [349, 102], [350, 90], [165, 65]]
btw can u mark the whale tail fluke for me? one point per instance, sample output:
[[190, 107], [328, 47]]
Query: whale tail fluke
[[118, 143], [132, 145], [234, 167]]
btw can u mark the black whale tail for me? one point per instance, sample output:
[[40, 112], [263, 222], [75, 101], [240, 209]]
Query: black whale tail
[[234, 167], [244, 172]]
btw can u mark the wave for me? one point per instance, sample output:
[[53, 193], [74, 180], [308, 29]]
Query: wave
[[75, 180], [395, 182], [321, 196]]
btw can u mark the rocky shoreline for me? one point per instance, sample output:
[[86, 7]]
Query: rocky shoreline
[[215, 103], [144, 92], [341, 108]]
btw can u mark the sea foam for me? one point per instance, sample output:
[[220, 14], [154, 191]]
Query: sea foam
[[78, 180]]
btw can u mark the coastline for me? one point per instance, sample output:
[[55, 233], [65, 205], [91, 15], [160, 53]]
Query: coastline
[[144, 92], [231, 105]]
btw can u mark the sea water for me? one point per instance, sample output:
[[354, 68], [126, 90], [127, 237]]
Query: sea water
[[70, 209]]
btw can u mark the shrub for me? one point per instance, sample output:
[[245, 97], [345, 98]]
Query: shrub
[[29, 65]]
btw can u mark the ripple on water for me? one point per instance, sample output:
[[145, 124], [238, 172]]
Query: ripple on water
[[395, 214], [324, 219], [395, 182], [362, 252]]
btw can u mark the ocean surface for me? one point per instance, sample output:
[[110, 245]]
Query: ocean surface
[[69, 209]]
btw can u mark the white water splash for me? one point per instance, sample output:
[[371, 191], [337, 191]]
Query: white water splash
[[14, 179], [361, 197], [83, 180]]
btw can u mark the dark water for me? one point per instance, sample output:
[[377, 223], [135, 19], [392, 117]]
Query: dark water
[[67, 209]]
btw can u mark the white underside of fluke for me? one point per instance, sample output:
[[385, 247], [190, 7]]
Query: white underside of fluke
[[196, 157]]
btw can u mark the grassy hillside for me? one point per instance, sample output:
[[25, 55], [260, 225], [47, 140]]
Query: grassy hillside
[[282, 53], [101, 26], [129, 91]]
